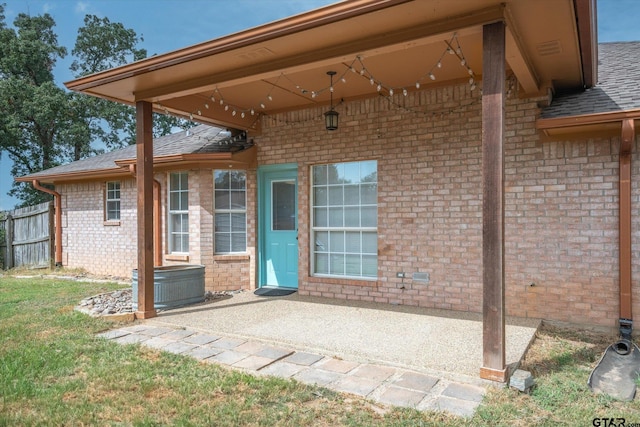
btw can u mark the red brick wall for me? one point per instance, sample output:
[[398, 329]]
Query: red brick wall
[[111, 248], [561, 213], [561, 209], [90, 243]]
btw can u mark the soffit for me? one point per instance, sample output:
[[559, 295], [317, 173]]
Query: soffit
[[279, 66]]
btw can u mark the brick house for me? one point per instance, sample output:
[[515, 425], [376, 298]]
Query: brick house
[[98, 201], [480, 162]]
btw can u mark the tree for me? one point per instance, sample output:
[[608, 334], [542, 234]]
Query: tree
[[101, 45], [43, 125], [33, 110]]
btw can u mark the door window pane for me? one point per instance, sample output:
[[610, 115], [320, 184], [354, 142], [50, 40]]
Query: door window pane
[[283, 195]]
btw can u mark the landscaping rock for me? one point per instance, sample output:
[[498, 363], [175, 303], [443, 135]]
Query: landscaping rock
[[120, 302]]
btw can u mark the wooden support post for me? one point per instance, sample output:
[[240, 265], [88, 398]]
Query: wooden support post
[[626, 145], [144, 183], [493, 98]]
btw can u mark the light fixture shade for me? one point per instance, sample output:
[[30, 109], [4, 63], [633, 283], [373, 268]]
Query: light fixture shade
[[331, 119]]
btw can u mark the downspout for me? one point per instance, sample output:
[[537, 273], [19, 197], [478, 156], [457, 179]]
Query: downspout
[[58, 223], [626, 144], [157, 216]]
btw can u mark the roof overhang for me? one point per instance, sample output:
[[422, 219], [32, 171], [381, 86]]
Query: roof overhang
[[282, 66], [244, 159], [99, 174], [591, 125]]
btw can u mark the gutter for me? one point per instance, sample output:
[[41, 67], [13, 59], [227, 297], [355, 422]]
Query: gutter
[[157, 216], [626, 144], [58, 222]]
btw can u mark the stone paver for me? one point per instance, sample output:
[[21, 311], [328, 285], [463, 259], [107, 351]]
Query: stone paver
[[375, 372], [317, 376], [114, 333], [302, 358], [154, 332], [462, 408], [254, 363], [178, 334], [274, 353], [178, 347], [356, 385], [131, 339], [229, 357], [227, 343], [200, 339], [282, 369], [464, 392], [250, 347], [202, 353], [336, 365], [384, 384], [134, 328], [158, 342], [398, 396], [416, 381]]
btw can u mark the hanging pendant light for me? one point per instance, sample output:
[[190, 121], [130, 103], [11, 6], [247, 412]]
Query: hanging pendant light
[[331, 116]]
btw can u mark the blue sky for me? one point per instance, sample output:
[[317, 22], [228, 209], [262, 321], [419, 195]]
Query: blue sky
[[168, 25]]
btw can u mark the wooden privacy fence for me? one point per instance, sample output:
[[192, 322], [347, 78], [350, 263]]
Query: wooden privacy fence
[[28, 236]]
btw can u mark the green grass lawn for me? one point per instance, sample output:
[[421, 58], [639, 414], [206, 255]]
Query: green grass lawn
[[54, 371]]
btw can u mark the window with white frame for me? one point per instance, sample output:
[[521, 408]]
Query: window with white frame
[[230, 207], [112, 201], [178, 212], [345, 219]]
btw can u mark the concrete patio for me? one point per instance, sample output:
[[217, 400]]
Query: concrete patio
[[440, 342], [393, 355]]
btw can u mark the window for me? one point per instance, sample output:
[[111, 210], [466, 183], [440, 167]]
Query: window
[[112, 201], [345, 219], [230, 207], [179, 212]]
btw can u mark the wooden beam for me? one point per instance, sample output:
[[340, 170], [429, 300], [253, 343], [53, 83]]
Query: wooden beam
[[144, 183], [626, 146], [493, 98], [517, 58], [586, 18]]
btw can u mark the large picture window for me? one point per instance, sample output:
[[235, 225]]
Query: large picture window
[[345, 219], [230, 207], [112, 201], [179, 212]]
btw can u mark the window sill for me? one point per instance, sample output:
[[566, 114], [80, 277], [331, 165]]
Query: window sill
[[111, 223], [232, 257], [175, 257], [333, 280]]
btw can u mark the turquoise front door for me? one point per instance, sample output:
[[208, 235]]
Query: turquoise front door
[[279, 224]]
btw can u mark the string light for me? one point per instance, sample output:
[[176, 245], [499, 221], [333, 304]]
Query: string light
[[357, 66]]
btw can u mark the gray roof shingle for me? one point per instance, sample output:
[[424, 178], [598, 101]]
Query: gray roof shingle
[[201, 139], [617, 89]]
